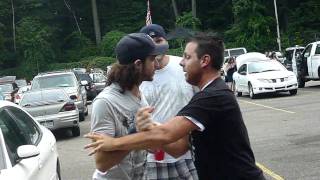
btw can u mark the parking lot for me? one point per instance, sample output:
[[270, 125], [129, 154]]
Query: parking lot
[[284, 132]]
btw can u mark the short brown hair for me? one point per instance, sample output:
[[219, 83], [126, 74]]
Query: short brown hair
[[211, 45]]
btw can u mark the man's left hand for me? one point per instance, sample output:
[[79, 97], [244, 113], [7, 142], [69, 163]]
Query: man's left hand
[[100, 143]]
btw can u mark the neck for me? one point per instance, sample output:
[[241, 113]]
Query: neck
[[207, 77], [163, 61], [135, 91]]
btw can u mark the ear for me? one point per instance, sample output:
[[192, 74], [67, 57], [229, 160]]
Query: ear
[[205, 60], [138, 63]]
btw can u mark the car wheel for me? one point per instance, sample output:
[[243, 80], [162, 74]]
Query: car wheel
[[86, 110], [81, 116], [239, 94], [293, 92], [251, 93], [76, 131], [58, 171]]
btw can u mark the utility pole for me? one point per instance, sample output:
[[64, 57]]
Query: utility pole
[[278, 30]]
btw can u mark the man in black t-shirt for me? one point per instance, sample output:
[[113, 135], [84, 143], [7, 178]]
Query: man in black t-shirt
[[213, 117]]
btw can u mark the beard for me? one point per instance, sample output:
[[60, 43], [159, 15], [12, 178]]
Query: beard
[[193, 78]]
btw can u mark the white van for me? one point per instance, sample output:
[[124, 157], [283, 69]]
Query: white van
[[234, 52]]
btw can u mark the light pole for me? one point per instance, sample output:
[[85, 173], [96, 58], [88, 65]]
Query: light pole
[[278, 30]]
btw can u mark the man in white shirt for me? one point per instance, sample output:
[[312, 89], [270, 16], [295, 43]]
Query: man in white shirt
[[168, 93]]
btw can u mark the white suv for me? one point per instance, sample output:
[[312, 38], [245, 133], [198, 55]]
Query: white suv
[[68, 81]]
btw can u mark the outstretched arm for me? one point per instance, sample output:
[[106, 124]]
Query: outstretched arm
[[106, 160], [175, 129]]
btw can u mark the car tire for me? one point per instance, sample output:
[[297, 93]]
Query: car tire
[[251, 93], [75, 131], [86, 112], [293, 92], [58, 171], [81, 116]]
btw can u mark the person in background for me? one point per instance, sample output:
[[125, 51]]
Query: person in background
[[213, 117], [230, 68], [168, 92], [114, 109]]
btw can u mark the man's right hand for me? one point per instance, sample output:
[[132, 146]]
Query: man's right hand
[[143, 119]]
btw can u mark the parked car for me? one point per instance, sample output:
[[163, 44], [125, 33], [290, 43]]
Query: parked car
[[53, 109], [99, 81], [28, 150], [68, 82], [90, 88], [308, 64], [258, 74]]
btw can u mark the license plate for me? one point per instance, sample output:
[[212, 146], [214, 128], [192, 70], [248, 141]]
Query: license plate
[[47, 124]]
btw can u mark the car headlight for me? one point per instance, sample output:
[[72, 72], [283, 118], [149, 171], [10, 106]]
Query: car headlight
[[265, 80], [289, 78]]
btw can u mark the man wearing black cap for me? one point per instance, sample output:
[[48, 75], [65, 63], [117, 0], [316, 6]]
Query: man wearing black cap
[[114, 109], [168, 92]]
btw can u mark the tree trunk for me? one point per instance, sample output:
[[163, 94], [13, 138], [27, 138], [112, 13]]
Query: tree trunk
[[96, 21], [175, 10], [13, 27], [194, 8]]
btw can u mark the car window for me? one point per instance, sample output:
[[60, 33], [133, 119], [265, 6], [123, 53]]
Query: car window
[[307, 51], [6, 87], [12, 135], [317, 49], [21, 82], [236, 52], [243, 69], [98, 78], [62, 80], [264, 66]]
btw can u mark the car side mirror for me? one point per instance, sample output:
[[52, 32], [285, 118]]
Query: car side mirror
[[73, 97], [27, 151], [84, 83], [243, 73]]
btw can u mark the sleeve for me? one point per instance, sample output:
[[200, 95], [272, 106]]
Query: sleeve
[[199, 109], [102, 119]]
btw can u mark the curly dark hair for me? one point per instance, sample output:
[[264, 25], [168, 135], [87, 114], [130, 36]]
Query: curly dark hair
[[127, 76]]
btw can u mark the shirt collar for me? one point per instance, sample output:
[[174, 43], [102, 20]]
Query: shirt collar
[[207, 84]]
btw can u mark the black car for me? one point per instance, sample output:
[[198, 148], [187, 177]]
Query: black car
[[90, 88]]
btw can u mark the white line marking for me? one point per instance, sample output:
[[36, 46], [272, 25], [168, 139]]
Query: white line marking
[[277, 109]]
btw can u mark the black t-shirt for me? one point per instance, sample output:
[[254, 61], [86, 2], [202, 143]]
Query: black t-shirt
[[222, 150]]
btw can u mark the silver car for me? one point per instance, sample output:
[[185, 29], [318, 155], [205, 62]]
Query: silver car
[[52, 108], [67, 81], [99, 81]]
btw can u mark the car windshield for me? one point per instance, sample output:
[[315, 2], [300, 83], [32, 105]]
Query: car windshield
[[84, 77], [21, 82], [264, 66], [236, 52], [40, 97], [63, 80], [6, 87], [98, 78]]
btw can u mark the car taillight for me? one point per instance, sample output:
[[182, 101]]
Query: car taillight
[[68, 107], [17, 96]]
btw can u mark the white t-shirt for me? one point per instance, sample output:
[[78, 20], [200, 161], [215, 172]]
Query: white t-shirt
[[168, 93]]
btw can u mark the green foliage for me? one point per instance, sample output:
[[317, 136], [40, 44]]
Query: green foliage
[[33, 38], [176, 52], [78, 46], [188, 21], [109, 42], [88, 63]]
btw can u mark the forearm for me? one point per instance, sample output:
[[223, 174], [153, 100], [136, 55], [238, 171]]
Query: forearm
[[106, 160], [178, 148], [153, 139]]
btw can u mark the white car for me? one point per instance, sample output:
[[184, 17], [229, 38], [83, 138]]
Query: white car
[[27, 150], [258, 74]]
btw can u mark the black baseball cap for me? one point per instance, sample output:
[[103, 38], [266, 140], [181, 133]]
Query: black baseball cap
[[137, 46], [154, 30]]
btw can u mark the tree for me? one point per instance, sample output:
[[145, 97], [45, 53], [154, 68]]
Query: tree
[[96, 21]]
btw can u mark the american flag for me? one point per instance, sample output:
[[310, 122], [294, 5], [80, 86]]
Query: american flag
[[148, 17]]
